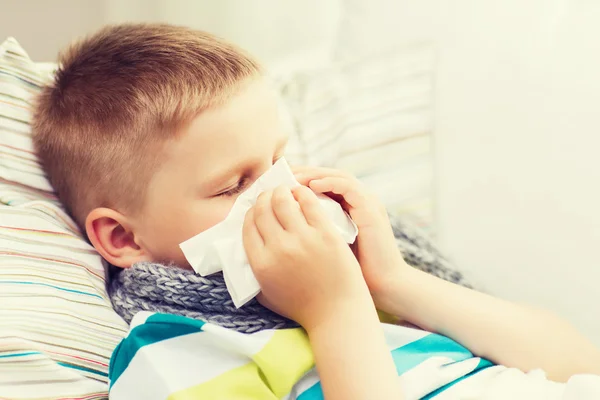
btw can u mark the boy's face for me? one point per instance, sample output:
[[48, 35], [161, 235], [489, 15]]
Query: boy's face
[[221, 153]]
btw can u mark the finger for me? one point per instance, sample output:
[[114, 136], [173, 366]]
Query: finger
[[306, 174], [267, 224], [349, 189], [253, 242], [286, 209], [312, 210], [301, 175], [298, 168]]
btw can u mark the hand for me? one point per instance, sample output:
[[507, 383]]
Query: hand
[[375, 248], [305, 269]]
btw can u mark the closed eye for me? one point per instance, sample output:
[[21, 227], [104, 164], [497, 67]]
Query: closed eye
[[242, 183], [238, 188]]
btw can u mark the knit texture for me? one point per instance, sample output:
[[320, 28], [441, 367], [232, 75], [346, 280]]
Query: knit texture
[[169, 289]]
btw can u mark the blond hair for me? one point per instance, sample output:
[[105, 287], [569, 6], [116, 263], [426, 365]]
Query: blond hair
[[117, 97]]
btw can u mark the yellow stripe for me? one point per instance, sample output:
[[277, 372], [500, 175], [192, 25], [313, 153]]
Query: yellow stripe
[[242, 383], [388, 318], [285, 359], [274, 371]]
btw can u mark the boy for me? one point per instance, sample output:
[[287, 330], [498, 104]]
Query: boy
[[151, 131]]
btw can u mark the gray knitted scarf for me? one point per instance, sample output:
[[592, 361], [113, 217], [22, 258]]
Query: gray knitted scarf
[[168, 289]]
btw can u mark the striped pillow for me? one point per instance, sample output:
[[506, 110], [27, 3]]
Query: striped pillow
[[373, 118], [57, 325]]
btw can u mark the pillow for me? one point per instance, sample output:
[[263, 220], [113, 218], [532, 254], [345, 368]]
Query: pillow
[[371, 116], [371, 27], [57, 326]]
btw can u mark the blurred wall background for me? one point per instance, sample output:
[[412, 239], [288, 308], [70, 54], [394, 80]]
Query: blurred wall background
[[517, 127]]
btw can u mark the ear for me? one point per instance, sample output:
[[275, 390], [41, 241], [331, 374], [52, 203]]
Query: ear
[[113, 238]]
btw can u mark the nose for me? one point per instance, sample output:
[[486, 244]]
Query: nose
[[258, 170], [264, 167]]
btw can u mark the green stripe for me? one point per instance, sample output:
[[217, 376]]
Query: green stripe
[[158, 327]]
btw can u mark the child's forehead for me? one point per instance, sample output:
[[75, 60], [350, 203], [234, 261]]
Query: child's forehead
[[249, 125], [255, 105]]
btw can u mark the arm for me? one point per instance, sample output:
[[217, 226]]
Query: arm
[[503, 332], [352, 357], [307, 272]]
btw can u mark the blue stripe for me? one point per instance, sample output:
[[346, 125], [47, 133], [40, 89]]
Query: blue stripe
[[413, 354], [23, 80], [29, 353], [312, 393], [483, 363], [52, 286], [80, 368], [158, 327], [409, 356]]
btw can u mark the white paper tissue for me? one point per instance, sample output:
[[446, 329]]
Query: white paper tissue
[[221, 248]]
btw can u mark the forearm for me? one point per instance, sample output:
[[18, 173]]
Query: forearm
[[495, 329], [352, 357]]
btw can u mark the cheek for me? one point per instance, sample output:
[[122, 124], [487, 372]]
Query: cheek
[[166, 229], [198, 218], [208, 218]]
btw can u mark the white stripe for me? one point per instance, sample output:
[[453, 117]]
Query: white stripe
[[398, 336], [471, 387], [247, 344], [432, 374], [306, 382], [511, 383], [583, 385], [139, 319], [19, 382], [171, 365]]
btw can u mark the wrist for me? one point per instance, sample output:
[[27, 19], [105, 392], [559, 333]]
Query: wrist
[[389, 267], [397, 292], [344, 313]]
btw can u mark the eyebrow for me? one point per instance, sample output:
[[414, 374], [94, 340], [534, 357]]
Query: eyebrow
[[215, 181]]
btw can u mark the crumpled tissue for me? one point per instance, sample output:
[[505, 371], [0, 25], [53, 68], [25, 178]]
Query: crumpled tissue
[[221, 247]]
